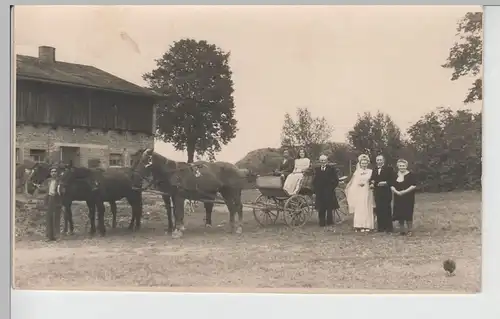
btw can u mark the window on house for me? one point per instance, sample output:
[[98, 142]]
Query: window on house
[[38, 155], [115, 159], [18, 156], [93, 163]]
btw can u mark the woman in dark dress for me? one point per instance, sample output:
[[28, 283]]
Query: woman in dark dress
[[403, 188]]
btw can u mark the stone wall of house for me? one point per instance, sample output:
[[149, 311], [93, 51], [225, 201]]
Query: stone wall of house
[[92, 143]]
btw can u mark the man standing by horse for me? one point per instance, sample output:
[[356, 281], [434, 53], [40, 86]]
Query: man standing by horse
[[54, 205], [324, 183]]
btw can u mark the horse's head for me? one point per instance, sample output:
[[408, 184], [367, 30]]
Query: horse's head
[[249, 174], [68, 174], [151, 166], [143, 164], [252, 176], [39, 173]]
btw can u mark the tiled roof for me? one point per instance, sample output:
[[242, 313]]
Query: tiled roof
[[32, 68]]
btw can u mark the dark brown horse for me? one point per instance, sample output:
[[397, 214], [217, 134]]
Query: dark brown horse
[[163, 186], [200, 181], [79, 187], [97, 186], [167, 199], [21, 177]]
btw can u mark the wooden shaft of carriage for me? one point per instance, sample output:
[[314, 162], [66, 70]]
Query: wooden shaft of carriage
[[212, 201]]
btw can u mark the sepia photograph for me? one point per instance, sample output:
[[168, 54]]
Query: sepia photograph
[[254, 148]]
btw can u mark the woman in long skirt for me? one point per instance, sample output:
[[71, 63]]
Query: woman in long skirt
[[404, 197], [360, 196]]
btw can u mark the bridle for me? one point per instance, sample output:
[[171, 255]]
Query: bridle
[[30, 177], [142, 178]]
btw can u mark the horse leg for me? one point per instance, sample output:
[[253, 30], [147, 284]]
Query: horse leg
[[100, 217], [132, 220], [68, 219], [166, 201], [179, 216], [131, 202], [64, 213], [138, 210], [112, 205], [91, 206], [209, 207], [228, 199], [67, 211], [239, 210], [181, 227]]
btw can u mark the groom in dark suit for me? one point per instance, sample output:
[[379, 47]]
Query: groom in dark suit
[[286, 166], [380, 181], [324, 183]]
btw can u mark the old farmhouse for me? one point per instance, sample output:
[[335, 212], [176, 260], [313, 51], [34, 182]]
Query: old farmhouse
[[72, 112]]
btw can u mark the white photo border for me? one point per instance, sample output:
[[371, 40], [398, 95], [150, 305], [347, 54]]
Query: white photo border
[[124, 305]]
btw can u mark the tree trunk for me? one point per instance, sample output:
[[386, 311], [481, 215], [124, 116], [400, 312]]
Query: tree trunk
[[190, 152]]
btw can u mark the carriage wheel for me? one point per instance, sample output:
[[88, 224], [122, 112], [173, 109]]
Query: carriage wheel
[[297, 211], [341, 213], [268, 211]]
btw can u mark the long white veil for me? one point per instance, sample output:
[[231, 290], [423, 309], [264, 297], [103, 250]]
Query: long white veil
[[348, 190]]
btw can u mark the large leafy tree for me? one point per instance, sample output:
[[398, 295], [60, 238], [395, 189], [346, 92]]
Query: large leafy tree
[[447, 147], [197, 115], [376, 134], [305, 131], [466, 55], [342, 154]]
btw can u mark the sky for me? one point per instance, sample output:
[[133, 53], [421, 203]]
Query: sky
[[338, 61]]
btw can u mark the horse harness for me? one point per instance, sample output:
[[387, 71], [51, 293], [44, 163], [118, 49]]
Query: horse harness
[[190, 166]]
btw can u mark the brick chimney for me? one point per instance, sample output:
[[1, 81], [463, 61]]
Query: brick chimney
[[47, 54]]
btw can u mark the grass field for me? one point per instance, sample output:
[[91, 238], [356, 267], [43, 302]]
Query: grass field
[[447, 225]]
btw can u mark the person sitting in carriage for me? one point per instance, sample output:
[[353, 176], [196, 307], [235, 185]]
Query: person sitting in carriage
[[286, 166], [294, 179]]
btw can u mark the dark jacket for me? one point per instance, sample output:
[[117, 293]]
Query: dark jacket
[[287, 166], [386, 175], [324, 184]]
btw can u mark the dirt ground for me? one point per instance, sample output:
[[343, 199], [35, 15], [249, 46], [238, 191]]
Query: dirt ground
[[447, 225]]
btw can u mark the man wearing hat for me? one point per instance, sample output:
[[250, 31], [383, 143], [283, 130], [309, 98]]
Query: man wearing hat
[[324, 183], [53, 202]]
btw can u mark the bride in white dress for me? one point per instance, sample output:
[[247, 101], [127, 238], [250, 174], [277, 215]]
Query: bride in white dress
[[360, 196], [292, 182]]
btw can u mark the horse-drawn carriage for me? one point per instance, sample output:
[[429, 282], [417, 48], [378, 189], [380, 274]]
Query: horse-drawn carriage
[[296, 209]]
